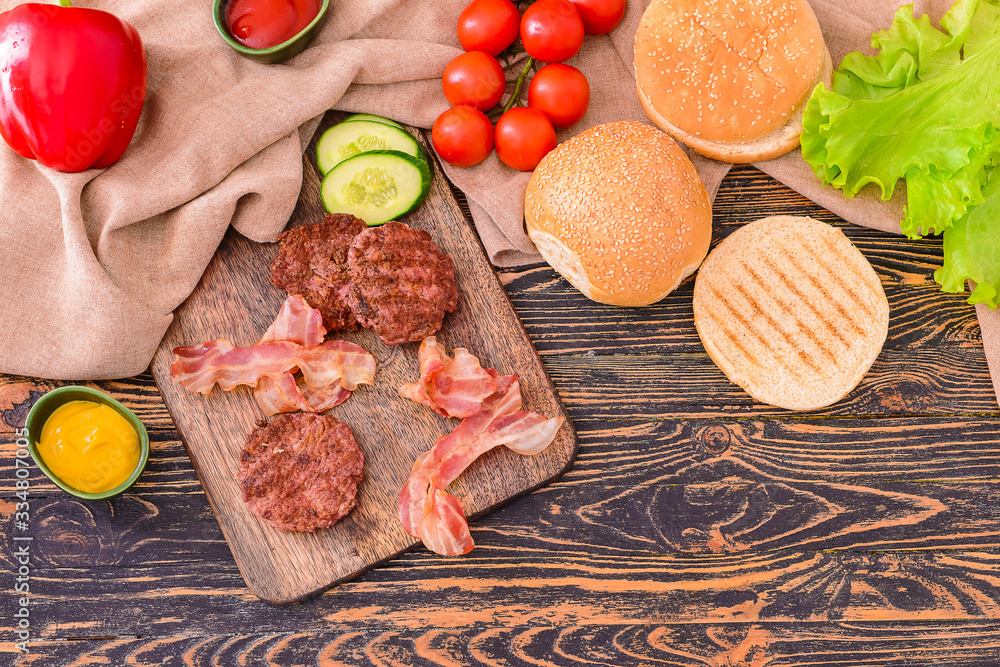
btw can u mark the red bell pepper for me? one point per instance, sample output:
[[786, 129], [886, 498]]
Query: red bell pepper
[[72, 84]]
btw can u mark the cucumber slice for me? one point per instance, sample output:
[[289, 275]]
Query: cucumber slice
[[377, 186], [373, 118], [348, 139]]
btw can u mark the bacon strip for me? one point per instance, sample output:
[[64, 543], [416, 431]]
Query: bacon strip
[[289, 394], [435, 516], [431, 357], [299, 323], [451, 386], [278, 395], [199, 367]]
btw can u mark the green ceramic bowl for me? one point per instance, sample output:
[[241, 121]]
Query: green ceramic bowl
[[274, 54], [47, 404]]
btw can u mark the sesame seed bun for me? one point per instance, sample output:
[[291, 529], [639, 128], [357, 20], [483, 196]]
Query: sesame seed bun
[[730, 78], [620, 212], [791, 311]]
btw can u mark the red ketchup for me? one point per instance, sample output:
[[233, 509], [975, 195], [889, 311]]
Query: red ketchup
[[260, 24]]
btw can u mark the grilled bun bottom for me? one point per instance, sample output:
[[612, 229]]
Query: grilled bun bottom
[[791, 311]]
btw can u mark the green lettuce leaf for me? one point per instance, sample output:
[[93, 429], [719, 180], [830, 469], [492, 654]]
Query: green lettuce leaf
[[972, 250], [925, 109]]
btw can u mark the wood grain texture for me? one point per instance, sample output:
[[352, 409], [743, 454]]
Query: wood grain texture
[[961, 644], [235, 300], [506, 587], [694, 528], [679, 522], [692, 486]]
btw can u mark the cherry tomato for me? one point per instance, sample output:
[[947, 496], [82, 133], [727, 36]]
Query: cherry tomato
[[552, 30], [462, 136], [488, 25], [600, 16], [523, 137], [474, 78], [561, 92]]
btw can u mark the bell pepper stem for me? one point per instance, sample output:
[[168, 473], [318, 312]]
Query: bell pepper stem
[[66, 3]]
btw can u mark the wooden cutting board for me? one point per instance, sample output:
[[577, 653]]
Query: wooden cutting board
[[235, 300]]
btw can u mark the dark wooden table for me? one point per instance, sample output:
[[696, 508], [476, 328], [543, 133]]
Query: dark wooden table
[[696, 526]]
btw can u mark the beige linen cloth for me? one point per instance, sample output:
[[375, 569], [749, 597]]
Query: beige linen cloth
[[94, 263]]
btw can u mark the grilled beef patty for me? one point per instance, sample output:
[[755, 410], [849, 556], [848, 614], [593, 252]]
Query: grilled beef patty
[[401, 284], [312, 262], [301, 471]]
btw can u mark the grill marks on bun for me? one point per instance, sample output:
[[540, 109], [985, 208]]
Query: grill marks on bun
[[791, 311], [721, 75], [620, 212]]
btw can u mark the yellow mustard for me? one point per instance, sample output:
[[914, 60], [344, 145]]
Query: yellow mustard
[[89, 446]]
